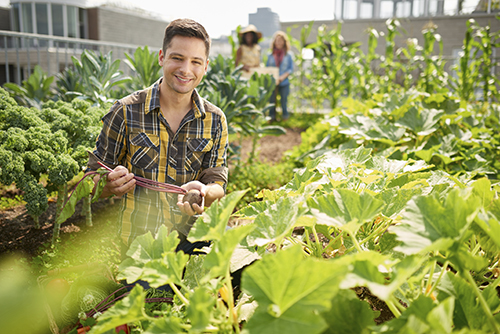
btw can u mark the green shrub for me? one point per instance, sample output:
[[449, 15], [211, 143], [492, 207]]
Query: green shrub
[[258, 176]]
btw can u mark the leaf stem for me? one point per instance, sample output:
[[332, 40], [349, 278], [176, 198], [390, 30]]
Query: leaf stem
[[393, 308], [231, 301], [483, 303], [434, 285], [318, 248], [429, 280], [179, 293], [355, 242]]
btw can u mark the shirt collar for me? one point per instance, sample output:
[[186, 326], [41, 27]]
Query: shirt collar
[[153, 100]]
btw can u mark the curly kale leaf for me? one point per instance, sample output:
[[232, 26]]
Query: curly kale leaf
[[64, 170], [6, 101], [11, 166], [35, 196]]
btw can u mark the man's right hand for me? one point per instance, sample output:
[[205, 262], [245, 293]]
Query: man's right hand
[[119, 182]]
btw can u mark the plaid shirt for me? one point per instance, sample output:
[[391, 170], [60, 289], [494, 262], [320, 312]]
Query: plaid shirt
[[136, 135]]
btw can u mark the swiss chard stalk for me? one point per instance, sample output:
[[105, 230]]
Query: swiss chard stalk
[[153, 185]]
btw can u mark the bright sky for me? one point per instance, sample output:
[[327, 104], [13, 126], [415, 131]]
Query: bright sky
[[220, 17]]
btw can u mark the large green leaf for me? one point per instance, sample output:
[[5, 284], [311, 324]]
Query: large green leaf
[[345, 206], [276, 222], [289, 297], [365, 271], [427, 222], [145, 249], [424, 316], [348, 314], [219, 258], [165, 325], [127, 310], [490, 225], [422, 122], [468, 312], [343, 159], [200, 309], [396, 199], [213, 223], [482, 189], [167, 270]]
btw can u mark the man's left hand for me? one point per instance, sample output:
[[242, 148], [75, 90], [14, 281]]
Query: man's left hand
[[185, 207]]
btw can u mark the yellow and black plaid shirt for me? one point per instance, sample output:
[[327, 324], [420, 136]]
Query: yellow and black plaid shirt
[[136, 135]]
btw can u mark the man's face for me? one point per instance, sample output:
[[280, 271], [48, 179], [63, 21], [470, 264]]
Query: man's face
[[184, 64]]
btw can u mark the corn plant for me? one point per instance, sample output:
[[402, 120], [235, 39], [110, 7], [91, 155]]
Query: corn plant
[[433, 77], [487, 41], [334, 67]]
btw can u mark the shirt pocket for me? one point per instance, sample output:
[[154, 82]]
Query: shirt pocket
[[144, 148], [196, 150]]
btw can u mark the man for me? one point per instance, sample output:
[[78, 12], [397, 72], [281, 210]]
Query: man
[[166, 133]]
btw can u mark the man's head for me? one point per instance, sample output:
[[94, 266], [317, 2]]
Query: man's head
[[186, 28]]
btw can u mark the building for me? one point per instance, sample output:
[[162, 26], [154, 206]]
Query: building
[[266, 21], [49, 32]]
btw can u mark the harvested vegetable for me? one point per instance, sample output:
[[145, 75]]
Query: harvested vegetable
[[153, 185], [193, 196]]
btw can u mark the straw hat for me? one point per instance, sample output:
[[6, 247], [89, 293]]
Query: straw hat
[[251, 28]]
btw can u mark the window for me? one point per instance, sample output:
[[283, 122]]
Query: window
[[42, 19], [72, 21], [386, 9], [57, 20], [82, 22], [350, 9], [15, 17], [27, 17], [366, 10]]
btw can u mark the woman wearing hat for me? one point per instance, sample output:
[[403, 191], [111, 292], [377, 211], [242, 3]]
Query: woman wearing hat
[[248, 54]]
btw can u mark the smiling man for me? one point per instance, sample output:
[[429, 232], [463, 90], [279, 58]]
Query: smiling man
[[166, 133]]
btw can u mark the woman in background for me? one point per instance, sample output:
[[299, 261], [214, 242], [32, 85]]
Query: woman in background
[[281, 57], [248, 53]]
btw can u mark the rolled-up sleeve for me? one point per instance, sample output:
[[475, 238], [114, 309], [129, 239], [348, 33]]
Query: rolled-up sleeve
[[215, 169]]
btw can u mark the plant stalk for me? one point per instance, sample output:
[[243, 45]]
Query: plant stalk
[[179, 293], [483, 303]]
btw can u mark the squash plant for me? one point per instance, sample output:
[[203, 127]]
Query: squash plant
[[423, 242], [451, 135]]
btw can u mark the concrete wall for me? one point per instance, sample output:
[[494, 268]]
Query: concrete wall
[[451, 28], [123, 26]]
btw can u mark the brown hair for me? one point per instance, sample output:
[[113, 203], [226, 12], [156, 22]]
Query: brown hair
[[285, 38], [186, 28]]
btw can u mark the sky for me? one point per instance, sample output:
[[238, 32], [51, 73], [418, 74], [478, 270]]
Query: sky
[[220, 17]]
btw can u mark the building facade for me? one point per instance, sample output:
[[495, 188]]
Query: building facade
[[49, 32]]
